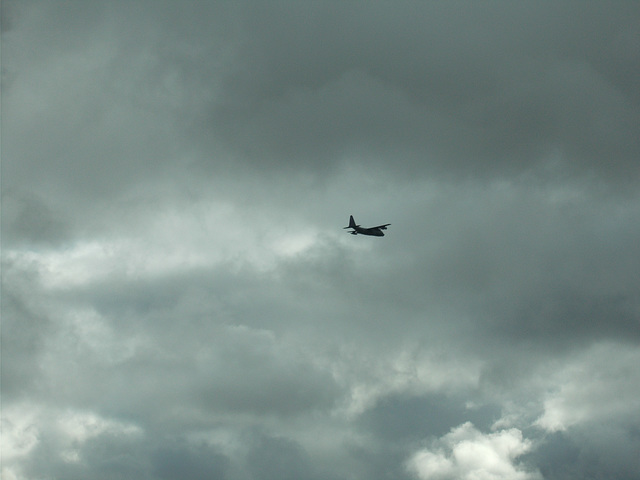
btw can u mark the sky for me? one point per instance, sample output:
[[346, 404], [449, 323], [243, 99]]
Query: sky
[[179, 296]]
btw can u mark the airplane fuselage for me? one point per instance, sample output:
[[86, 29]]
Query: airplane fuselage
[[374, 232]]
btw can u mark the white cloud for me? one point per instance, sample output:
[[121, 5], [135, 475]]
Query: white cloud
[[25, 427], [599, 384], [411, 369], [19, 432], [468, 454]]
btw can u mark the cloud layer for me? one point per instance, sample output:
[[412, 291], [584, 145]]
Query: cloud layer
[[179, 299]]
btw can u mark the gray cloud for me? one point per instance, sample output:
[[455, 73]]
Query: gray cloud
[[179, 298], [465, 92]]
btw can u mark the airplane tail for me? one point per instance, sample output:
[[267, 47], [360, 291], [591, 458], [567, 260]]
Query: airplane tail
[[352, 224]]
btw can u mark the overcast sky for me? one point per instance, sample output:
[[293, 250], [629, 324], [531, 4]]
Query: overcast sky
[[180, 300]]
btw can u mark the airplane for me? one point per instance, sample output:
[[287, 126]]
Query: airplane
[[374, 231]]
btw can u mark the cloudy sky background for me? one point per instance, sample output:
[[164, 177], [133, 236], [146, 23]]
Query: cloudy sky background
[[179, 298]]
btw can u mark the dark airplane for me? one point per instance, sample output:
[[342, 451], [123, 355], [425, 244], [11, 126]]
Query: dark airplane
[[374, 231]]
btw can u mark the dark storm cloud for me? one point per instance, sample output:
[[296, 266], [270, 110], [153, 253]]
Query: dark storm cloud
[[467, 91], [115, 455], [179, 299], [474, 89], [402, 418], [179, 459], [26, 323], [32, 221], [601, 450]]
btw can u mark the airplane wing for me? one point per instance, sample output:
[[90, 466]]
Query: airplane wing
[[382, 227]]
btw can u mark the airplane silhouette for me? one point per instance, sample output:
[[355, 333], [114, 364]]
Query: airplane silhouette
[[374, 231]]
